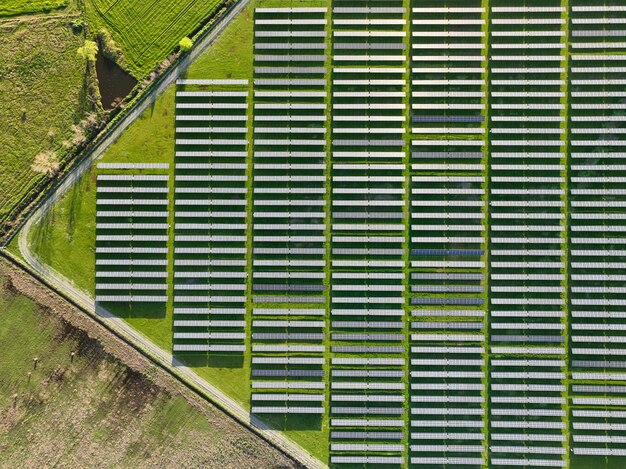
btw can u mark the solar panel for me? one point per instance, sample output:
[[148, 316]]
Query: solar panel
[[286, 410]]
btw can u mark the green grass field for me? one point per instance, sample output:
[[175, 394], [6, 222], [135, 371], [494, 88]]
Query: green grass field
[[42, 91], [147, 31], [94, 411], [21, 7], [43, 81]]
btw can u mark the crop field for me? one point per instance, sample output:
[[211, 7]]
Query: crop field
[[148, 31], [42, 88], [91, 409], [394, 232], [21, 7]]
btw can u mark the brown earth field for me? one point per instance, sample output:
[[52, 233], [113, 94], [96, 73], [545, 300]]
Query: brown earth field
[[74, 395]]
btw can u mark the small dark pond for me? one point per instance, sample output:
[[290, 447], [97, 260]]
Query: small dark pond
[[114, 82]]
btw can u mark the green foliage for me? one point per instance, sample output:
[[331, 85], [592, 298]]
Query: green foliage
[[20, 7], [110, 48], [148, 32], [88, 51], [185, 44]]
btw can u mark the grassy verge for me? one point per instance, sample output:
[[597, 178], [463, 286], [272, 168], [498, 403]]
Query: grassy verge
[[567, 244], [486, 89]]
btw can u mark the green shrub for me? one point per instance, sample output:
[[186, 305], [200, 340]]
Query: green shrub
[[77, 25], [88, 50], [185, 44]]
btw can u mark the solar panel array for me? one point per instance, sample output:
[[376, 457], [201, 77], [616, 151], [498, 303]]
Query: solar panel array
[[289, 216], [131, 238], [369, 64], [447, 258], [527, 239], [598, 233], [412, 219], [210, 217]]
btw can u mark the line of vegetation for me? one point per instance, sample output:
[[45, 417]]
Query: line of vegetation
[[23, 7], [110, 49], [89, 51]]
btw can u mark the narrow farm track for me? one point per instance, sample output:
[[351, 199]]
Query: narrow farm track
[[37, 17], [119, 326]]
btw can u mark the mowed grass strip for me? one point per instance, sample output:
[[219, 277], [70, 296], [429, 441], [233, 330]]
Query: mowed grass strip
[[21, 7], [148, 31], [43, 97]]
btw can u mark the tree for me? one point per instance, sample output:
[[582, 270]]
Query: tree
[[77, 25], [88, 51], [185, 44]]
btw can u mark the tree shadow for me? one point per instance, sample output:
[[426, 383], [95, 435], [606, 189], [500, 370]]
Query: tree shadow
[[42, 233], [190, 359], [79, 187], [225, 360], [85, 103]]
